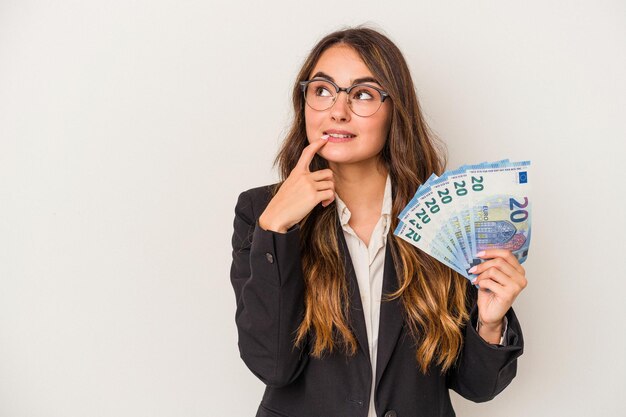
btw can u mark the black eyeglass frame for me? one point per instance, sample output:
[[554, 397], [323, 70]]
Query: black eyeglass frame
[[383, 94]]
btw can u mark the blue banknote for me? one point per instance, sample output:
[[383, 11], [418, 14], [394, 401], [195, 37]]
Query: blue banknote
[[473, 208]]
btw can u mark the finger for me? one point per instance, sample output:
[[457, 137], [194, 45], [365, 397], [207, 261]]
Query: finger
[[326, 202], [505, 254], [495, 275], [326, 195], [324, 185], [491, 285], [499, 263], [309, 152], [322, 174], [506, 294]]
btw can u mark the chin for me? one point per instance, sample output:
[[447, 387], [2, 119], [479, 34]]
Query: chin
[[336, 156]]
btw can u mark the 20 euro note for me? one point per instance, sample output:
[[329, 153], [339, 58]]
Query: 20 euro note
[[457, 187], [500, 210], [405, 232], [473, 208], [416, 225], [439, 212]]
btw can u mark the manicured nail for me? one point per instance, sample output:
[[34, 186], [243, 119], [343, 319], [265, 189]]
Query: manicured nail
[[474, 280], [480, 254], [472, 269], [325, 137]]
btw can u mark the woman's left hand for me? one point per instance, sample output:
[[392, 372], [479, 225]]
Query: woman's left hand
[[504, 277]]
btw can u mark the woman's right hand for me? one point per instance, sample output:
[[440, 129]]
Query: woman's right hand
[[300, 192]]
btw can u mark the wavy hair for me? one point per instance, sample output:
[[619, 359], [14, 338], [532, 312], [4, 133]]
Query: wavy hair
[[432, 295]]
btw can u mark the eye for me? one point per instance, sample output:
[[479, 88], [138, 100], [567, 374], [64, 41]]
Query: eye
[[363, 93], [322, 91]]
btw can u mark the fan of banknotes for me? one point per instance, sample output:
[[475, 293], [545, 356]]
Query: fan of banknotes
[[470, 209]]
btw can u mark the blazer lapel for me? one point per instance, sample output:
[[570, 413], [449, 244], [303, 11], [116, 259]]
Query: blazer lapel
[[391, 320], [356, 319]]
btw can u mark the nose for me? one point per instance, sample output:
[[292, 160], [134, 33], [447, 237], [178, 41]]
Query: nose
[[340, 109]]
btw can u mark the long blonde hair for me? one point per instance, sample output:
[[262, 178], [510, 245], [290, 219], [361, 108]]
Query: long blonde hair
[[433, 296]]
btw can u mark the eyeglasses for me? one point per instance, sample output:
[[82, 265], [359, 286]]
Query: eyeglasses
[[363, 99]]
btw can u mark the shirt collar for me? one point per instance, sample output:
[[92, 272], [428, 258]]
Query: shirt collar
[[344, 212]]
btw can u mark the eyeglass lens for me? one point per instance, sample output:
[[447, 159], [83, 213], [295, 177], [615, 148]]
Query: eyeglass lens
[[363, 100]]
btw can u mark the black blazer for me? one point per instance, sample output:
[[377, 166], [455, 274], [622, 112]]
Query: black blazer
[[266, 274]]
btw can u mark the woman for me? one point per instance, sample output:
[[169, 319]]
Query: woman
[[335, 314]]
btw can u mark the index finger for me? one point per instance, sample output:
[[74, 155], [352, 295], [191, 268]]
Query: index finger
[[309, 152], [506, 254]]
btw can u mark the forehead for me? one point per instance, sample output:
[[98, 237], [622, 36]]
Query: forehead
[[342, 63]]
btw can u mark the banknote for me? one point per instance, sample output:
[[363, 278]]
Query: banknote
[[430, 209], [501, 209], [475, 207], [407, 233]]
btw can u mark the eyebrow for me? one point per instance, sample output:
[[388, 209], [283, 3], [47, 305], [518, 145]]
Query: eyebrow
[[357, 81]]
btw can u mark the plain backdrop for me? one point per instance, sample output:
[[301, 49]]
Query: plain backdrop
[[129, 128]]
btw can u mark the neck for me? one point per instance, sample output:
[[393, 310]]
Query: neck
[[360, 185]]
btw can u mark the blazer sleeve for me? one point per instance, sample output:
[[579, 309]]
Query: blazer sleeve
[[266, 274], [483, 370]]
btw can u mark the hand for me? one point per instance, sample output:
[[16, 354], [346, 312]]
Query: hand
[[300, 192], [500, 280]]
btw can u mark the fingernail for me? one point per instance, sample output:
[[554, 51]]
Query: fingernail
[[325, 137], [472, 269], [480, 254], [474, 280]]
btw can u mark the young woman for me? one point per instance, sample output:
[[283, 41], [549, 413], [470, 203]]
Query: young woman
[[335, 314]]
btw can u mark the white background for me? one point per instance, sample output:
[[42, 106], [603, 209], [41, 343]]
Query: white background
[[128, 129]]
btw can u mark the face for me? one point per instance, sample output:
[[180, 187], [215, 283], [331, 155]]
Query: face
[[369, 134]]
